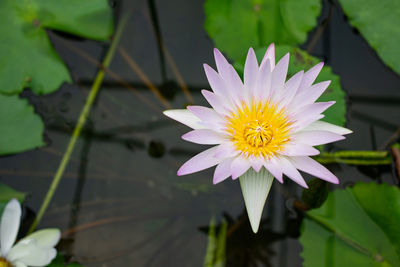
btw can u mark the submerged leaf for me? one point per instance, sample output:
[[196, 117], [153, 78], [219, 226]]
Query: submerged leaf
[[30, 60], [378, 22], [21, 128], [358, 226], [59, 261], [235, 25]]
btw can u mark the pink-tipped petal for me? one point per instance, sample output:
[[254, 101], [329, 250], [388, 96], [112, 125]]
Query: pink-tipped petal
[[222, 65], [290, 90], [250, 71], [226, 150], [279, 74], [313, 109], [316, 138], [269, 56], [305, 122], [290, 171], [216, 82], [308, 165], [201, 161], [274, 169], [222, 171], [239, 166], [209, 117], [310, 76], [184, 116], [309, 96], [329, 127], [204, 137], [219, 104], [298, 149], [257, 163], [263, 84]]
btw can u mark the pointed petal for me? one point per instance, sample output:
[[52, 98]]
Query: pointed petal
[[313, 109], [309, 96], [222, 171], [222, 65], [279, 74], [269, 56], [263, 85], [226, 150], [255, 188], [274, 169], [239, 166], [201, 161], [217, 103], [205, 114], [216, 82], [299, 149], [308, 165], [46, 238], [310, 76], [184, 116], [326, 126], [250, 71], [316, 138], [204, 137], [290, 171], [9, 227], [290, 90]]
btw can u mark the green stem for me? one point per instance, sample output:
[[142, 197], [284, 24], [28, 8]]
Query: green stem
[[81, 122], [355, 157]]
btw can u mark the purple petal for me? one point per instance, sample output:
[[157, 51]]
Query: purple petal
[[184, 116], [226, 150], [290, 171], [298, 149], [269, 56], [208, 116], [325, 126], [216, 82], [222, 65], [308, 165], [217, 103], [222, 171], [310, 76], [250, 71], [290, 90], [279, 74], [201, 161], [239, 166], [314, 109], [316, 138], [204, 137], [263, 85], [310, 95], [274, 169]]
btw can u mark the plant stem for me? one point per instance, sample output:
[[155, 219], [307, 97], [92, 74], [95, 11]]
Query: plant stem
[[81, 122], [355, 157]]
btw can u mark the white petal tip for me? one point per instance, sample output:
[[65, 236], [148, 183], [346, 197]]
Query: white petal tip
[[255, 188]]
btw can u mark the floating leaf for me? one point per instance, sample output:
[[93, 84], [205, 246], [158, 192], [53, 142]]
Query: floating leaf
[[379, 23], [300, 60], [316, 193], [28, 58], [6, 194], [235, 25], [21, 128], [358, 226]]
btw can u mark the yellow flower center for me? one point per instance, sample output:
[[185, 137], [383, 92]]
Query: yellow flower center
[[4, 263], [259, 130]]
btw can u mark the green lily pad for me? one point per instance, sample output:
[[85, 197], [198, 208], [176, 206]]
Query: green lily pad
[[59, 261], [28, 58], [301, 60], [235, 25], [358, 226], [21, 128], [6, 194], [378, 22]]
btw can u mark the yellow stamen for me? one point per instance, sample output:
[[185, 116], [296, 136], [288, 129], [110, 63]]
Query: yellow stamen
[[4, 263], [259, 130]]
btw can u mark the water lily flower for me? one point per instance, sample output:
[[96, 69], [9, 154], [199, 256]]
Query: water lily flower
[[262, 128], [37, 249]]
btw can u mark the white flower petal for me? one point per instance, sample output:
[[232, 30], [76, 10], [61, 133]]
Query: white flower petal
[[226, 150], [255, 188], [299, 149], [290, 171], [326, 126], [263, 84], [219, 104], [19, 264], [201, 161], [290, 89], [9, 227], [239, 166], [184, 116], [222, 171], [274, 168], [316, 138], [269, 56], [46, 238], [308, 96], [308, 165], [312, 110], [31, 254], [204, 137]]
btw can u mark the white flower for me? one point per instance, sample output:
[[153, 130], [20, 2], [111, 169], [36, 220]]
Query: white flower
[[37, 249]]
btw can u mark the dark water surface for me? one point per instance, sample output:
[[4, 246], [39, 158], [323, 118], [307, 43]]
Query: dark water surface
[[120, 202]]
